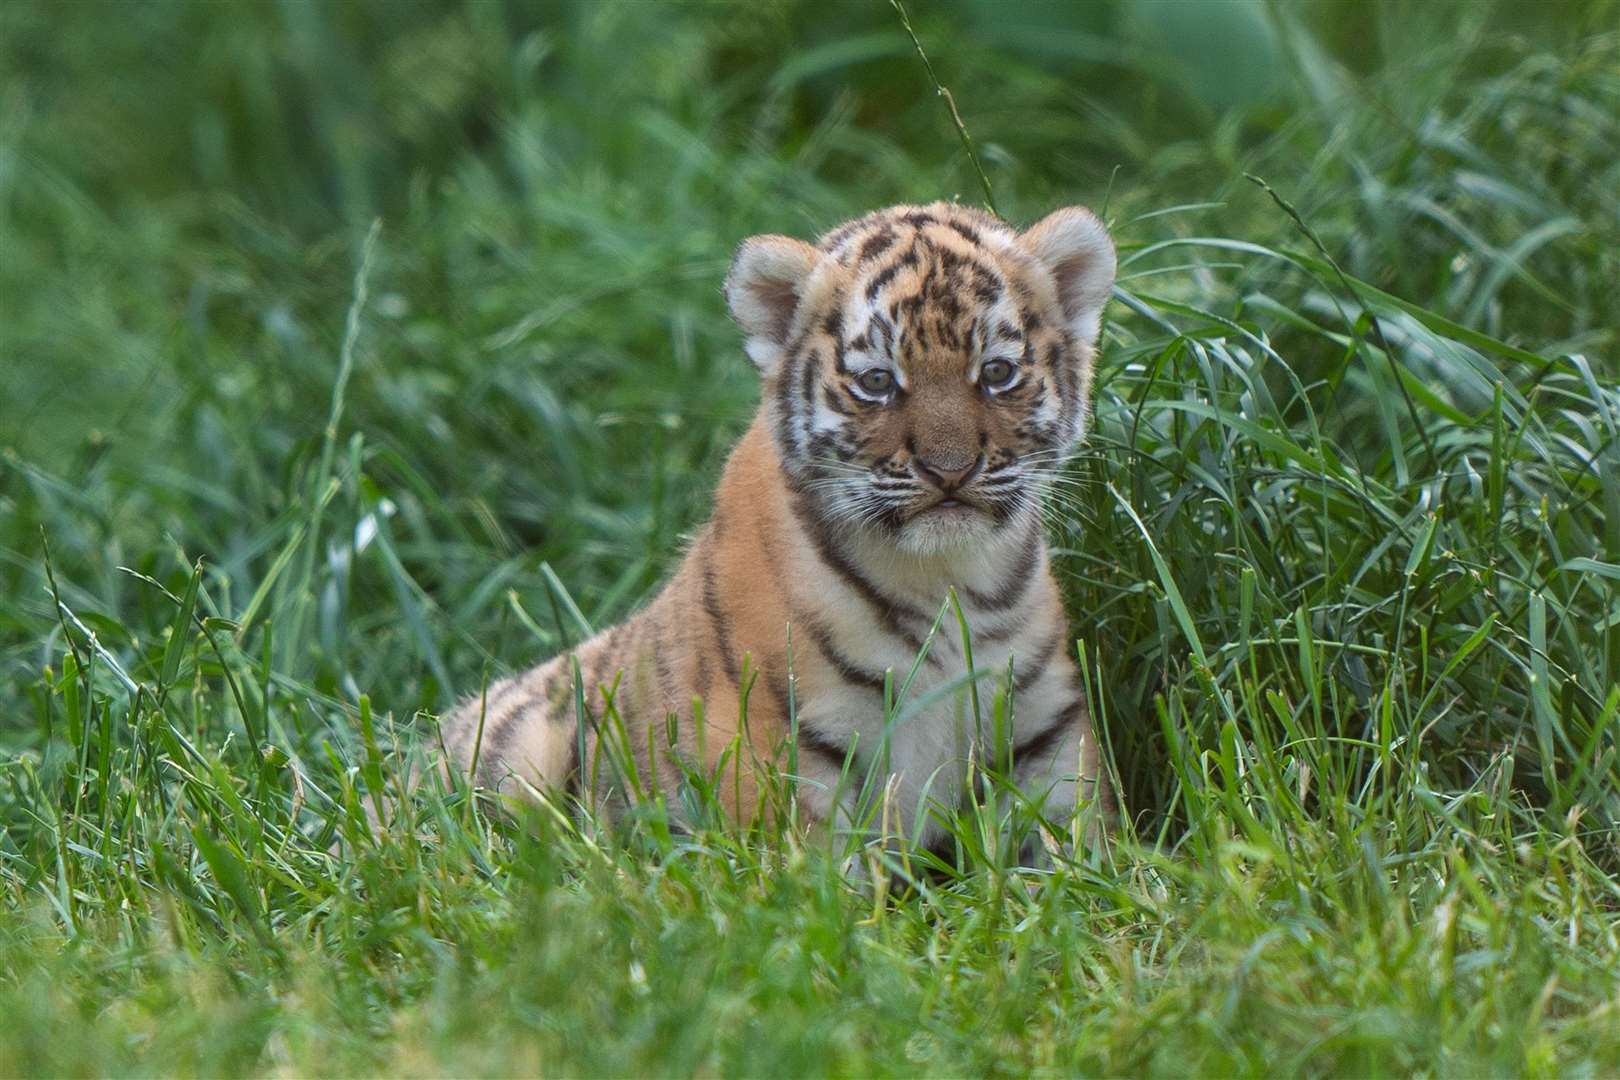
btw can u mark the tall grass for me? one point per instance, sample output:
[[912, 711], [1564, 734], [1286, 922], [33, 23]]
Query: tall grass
[[1343, 554]]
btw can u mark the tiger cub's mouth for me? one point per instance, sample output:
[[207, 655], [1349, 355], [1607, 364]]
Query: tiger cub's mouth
[[956, 504]]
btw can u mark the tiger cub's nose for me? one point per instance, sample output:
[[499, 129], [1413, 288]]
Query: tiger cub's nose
[[949, 473]]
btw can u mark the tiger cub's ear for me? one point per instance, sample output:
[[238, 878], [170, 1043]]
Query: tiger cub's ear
[[763, 290], [1075, 249]]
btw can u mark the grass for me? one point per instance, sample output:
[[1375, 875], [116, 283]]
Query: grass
[[1343, 555]]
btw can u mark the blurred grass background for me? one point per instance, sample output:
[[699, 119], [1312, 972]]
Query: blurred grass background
[[1374, 467]]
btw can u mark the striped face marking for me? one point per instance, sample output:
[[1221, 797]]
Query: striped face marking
[[927, 368]]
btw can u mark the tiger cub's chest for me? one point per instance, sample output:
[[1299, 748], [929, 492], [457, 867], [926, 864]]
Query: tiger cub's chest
[[924, 717]]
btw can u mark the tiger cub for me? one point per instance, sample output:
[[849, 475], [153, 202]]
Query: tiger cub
[[925, 372]]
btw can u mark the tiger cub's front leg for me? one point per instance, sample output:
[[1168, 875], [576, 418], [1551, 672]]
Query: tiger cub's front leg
[[1062, 772]]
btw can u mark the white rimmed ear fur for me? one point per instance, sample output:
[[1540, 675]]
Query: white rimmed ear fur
[[763, 290], [1075, 249]]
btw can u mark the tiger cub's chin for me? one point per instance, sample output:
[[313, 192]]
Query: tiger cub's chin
[[925, 372], [946, 530]]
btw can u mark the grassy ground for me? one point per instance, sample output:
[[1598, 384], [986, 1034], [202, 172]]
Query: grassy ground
[[1343, 555]]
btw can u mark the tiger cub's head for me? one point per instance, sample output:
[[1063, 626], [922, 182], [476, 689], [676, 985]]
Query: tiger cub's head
[[926, 368]]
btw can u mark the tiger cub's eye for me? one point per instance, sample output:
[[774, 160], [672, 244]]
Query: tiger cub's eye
[[996, 374], [876, 382]]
